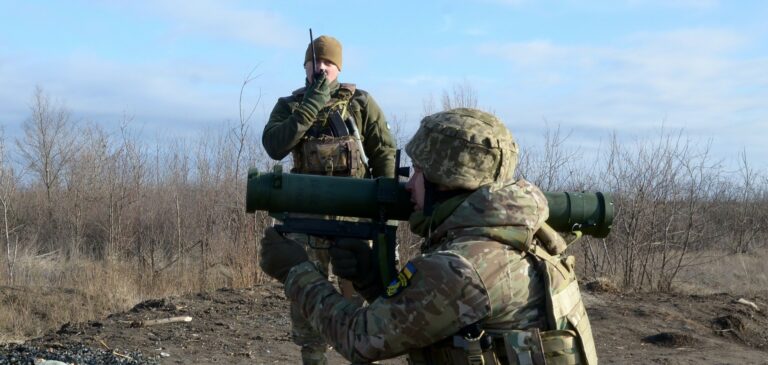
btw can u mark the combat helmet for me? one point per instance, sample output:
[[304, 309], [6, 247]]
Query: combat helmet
[[464, 149]]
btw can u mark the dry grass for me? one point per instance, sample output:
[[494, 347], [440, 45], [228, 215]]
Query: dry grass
[[713, 271], [51, 291], [740, 274], [703, 272]]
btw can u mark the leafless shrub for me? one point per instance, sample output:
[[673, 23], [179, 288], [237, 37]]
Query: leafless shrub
[[551, 166], [675, 204], [47, 148], [461, 95], [748, 200], [428, 106], [8, 191], [173, 211]]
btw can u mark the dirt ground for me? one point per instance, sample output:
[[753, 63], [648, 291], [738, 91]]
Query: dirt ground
[[251, 326]]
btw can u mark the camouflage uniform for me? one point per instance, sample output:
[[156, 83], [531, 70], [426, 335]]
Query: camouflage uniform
[[285, 131], [289, 131], [481, 267]]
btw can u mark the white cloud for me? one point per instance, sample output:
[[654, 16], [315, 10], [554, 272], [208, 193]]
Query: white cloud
[[696, 79], [225, 20], [686, 4], [529, 53], [475, 31], [688, 70], [505, 2], [165, 95], [423, 79], [701, 41]]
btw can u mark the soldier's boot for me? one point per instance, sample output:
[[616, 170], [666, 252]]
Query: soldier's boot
[[313, 355]]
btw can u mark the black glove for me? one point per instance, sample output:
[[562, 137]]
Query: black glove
[[352, 259], [315, 97], [280, 254]]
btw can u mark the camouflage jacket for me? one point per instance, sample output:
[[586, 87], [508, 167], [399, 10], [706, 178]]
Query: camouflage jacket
[[285, 129], [464, 276]]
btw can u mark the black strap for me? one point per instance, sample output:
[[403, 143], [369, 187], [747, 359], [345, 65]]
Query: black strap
[[430, 189], [338, 127], [474, 331]]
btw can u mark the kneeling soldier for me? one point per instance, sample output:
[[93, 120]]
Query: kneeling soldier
[[485, 289]]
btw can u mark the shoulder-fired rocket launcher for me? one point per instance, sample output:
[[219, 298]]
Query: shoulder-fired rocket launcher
[[278, 193], [383, 200]]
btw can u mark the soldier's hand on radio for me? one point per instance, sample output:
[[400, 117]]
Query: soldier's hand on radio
[[280, 254], [352, 259], [318, 93]]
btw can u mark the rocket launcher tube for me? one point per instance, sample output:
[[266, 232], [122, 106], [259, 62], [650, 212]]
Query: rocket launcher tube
[[591, 213], [279, 192]]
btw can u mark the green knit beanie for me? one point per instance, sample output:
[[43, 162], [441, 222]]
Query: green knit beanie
[[326, 47]]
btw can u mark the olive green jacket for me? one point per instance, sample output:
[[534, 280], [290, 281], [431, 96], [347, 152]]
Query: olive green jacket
[[285, 128]]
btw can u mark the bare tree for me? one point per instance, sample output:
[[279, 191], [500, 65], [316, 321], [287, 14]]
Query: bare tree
[[164, 211], [551, 166], [117, 188], [747, 220], [663, 191], [461, 95], [428, 105], [49, 141], [239, 135], [396, 123], [8, 184], [135, 170]]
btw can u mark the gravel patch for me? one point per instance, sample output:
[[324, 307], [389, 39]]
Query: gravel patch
[[74, 354]]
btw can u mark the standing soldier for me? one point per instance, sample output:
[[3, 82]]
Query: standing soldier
[[485, 289], [331, 129]]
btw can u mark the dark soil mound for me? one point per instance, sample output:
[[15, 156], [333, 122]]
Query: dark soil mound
[[670, 339], [601, 285]]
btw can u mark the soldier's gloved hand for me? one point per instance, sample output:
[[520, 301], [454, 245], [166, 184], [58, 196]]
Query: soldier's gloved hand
[[352, 259], [315, 97], [280, 254]]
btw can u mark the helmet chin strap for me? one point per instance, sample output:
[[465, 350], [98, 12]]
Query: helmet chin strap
[[430, 190]]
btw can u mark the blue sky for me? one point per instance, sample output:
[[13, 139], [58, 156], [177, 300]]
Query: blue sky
[[591, 67]]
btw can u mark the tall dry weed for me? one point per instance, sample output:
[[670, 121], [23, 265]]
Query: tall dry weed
[[124, 218], [53, 290], [739, 274]]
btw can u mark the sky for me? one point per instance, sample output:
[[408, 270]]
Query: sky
[[591, 68]]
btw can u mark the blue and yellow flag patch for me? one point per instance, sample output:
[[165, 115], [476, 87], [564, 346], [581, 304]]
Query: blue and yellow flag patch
[[401, 281]]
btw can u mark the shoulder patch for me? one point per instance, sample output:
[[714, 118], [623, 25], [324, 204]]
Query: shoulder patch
[[402, 280]]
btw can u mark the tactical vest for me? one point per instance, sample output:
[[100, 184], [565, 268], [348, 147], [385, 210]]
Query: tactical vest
[[567, 340], [331, 146]]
